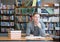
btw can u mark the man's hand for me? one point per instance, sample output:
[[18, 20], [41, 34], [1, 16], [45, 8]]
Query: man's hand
[[39, 25]]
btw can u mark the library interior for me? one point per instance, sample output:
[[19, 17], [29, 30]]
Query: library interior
[[17, 20]]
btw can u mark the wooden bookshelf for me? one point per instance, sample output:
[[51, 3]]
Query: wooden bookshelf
[[27, 14], [6, 16]]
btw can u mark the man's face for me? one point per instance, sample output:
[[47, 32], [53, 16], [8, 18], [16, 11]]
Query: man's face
[[36, 18]]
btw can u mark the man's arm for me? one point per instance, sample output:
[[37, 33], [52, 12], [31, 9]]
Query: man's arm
[[28, 29], [42, 29]]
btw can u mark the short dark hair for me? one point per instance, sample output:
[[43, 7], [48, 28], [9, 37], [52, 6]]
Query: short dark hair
[[34, 14]]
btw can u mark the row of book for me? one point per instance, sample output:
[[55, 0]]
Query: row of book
[[4, 30], [7, 17], [48, 10], [25, 10], [31, 11], [7, 24], [39, 10], [50, 19], [34, 3], [28, 2], [10, 11], [51, 25], [20, 26], [22, 18], [2, 6], [23, 26]]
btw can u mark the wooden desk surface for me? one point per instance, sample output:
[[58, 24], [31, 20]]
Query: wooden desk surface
[[23, 38]]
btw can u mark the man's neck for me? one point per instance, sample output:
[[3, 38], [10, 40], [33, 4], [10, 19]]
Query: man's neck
[[35, 23]]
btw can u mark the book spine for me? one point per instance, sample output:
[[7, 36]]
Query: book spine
[[39, 2], [34, 2]]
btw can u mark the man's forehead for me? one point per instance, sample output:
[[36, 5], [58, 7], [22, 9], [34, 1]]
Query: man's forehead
[[36, 15]]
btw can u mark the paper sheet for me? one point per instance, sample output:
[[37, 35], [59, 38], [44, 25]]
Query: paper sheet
[[34, 37]]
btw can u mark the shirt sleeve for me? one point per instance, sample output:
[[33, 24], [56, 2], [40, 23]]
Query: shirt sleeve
[[28, 29], [43, 33]]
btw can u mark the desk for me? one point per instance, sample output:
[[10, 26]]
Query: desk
[[23, 38]]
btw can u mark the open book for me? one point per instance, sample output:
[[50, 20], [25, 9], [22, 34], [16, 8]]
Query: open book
[[34, 37]]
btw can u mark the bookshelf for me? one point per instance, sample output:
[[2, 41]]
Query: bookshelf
[[23, 12], [49, 13], [20, 14], [6, 18], [52, 21]]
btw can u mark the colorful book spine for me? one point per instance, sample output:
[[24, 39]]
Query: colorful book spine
[[11, 17], [28, 3], [34, 2], [26, 18], [5, 24], [24, 10], [39, 10], [39, 2], [18, 26], [50, 10]]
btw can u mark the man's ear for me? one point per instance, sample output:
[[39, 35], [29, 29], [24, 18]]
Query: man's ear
[[33, 17]]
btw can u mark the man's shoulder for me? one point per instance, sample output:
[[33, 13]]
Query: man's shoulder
[[41, 20], [31, 22]]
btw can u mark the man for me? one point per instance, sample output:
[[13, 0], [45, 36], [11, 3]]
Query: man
[[36, 27]]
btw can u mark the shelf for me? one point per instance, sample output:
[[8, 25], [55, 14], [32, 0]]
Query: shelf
[[23, 14], [6, 14], [7, 9], [36, 6], [33, 6], [6, 20], [21, 22], [40, 14], [49, 14], [49, 22], [57, 6], [3, 32], [52, 30], [25, 7], [7, 26]]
